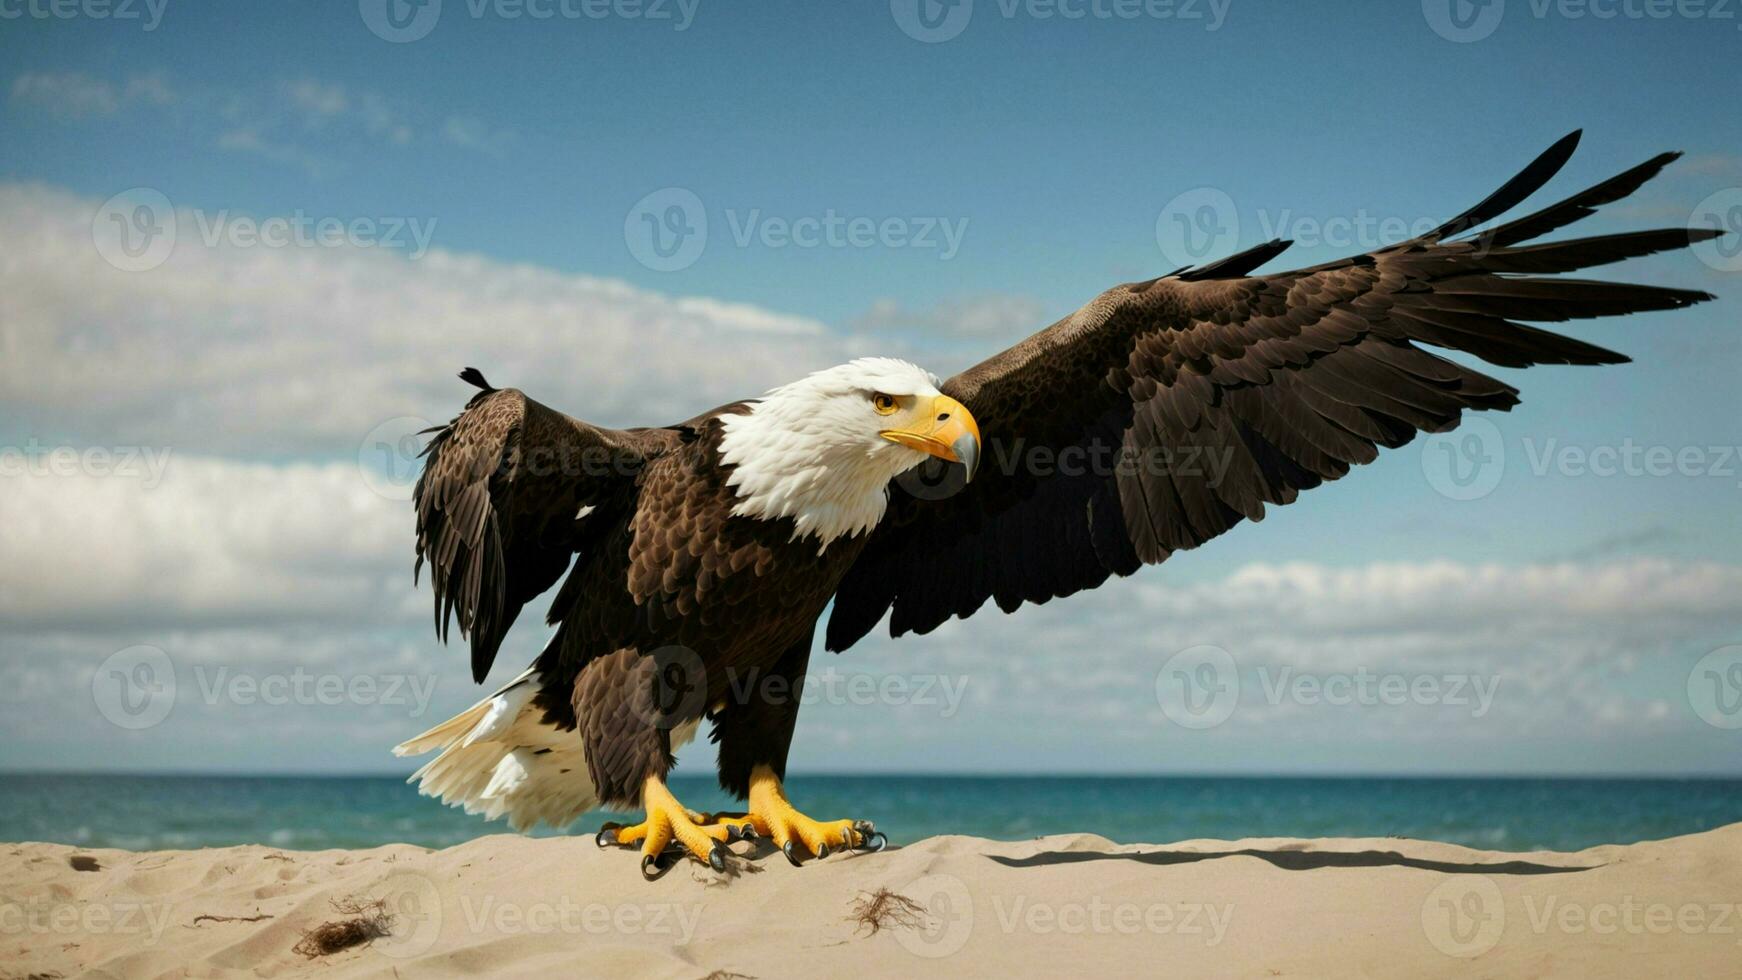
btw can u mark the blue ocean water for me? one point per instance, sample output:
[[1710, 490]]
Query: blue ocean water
[[306, 813]]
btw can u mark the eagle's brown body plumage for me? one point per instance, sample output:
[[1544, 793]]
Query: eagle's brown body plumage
[[673, 608]]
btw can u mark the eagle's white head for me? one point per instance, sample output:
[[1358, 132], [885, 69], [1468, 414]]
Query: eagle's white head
[[823, 449]]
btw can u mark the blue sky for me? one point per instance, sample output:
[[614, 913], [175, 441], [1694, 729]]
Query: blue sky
[[1054, 147]]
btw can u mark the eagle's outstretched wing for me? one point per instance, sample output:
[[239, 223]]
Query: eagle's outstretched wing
[[507, 496], [1164, 412]]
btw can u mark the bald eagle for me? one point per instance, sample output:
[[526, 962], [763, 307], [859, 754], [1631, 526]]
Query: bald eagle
[[699, 557]]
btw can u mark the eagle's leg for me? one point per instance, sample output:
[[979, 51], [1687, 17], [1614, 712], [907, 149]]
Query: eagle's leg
[[773, 816], [670, 822], [754, 732]]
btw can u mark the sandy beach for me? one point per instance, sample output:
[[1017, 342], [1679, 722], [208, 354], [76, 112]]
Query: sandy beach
[[518, 907]]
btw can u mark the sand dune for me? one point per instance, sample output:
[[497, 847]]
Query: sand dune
[[950, 906]]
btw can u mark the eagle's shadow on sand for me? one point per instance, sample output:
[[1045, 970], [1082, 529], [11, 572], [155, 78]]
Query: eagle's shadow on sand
[[1290, 860]]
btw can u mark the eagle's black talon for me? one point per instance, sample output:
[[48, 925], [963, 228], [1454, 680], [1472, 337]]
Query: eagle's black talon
[[749, 832], [651, 867], [876, 842], [734, 833], [822, 851], [607, 834], [791, 855], [717, 856]]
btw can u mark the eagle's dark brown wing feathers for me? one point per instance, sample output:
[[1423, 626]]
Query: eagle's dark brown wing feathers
[[498, 500], [1231, 394]]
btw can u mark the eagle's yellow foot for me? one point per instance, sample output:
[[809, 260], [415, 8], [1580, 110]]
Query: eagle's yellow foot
[[773, 817], [669, 822]]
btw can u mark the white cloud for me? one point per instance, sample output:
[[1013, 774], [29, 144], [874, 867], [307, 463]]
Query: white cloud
[[475, 134], [317, 100], [76, 95], [234, 563], [250, 140], [320, 104], [261, 569], [213, 543], [296, 350], [69, 94], [996, 315], [380, 120], [153, 89]]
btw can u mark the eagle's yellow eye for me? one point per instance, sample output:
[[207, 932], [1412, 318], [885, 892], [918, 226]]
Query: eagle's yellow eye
[[884, 404]]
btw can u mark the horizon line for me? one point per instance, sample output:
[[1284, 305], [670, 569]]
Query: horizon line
[[940, 774]]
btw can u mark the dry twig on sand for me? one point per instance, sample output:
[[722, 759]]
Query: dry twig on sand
[[228, 918], [369, 920], [881, 908]]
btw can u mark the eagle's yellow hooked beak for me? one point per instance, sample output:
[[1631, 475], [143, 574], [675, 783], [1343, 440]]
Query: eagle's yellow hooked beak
[[944, 428]]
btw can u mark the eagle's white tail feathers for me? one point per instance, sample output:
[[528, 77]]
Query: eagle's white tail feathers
[[500, 759]]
